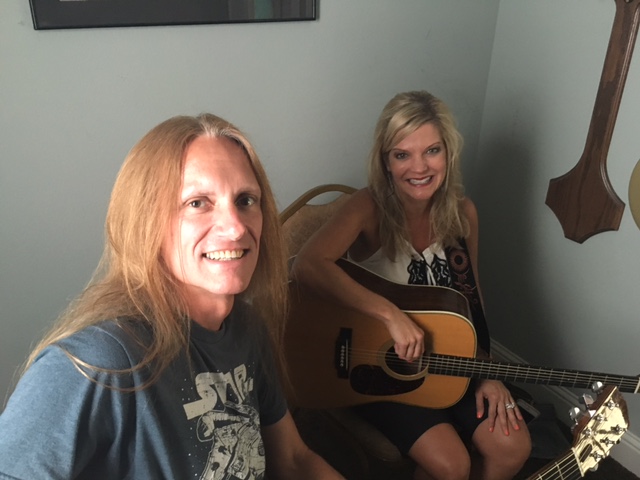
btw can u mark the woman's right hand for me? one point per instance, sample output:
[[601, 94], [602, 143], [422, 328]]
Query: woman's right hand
[[408, 337], [315, 266]]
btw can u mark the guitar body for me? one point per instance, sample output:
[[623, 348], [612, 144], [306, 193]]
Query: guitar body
[[338, 357]]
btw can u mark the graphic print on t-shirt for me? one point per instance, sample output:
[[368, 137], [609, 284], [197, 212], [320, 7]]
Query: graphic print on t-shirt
[[230, 423]]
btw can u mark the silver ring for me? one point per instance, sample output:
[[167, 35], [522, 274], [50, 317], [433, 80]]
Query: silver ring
[[509, 405]]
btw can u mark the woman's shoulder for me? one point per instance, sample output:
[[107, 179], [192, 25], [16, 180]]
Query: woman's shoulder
[[363, 199], [468, 208], [360, 209], [471, 214], [357, 214]]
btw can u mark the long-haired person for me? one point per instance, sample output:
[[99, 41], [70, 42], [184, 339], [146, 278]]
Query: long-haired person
[[163, 367], [412, 224]]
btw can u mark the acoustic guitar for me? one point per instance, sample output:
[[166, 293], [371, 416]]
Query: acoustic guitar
[[595, 433], [338, 357]]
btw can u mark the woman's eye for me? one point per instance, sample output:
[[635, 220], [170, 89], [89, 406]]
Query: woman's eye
[[400, 156], [196, 203], [434, 150]]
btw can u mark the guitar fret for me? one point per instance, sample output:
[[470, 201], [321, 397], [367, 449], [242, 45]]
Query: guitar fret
[[491, 369]]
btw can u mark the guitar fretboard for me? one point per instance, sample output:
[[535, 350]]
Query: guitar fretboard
[[511, 372]]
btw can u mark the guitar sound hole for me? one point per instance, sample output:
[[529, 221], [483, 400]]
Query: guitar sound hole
[[402, 367]]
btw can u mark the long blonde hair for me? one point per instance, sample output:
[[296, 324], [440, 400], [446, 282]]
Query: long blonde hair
[[401, 116], [133, 281]]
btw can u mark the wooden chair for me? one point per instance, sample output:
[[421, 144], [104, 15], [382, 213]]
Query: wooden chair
[[299, 221]]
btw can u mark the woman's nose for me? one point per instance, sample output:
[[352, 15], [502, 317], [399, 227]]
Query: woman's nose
[[420, 162]]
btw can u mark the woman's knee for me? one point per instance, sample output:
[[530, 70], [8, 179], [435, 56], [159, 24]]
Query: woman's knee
[[444, 469], [518, 445], [513, 449], [441, 454]]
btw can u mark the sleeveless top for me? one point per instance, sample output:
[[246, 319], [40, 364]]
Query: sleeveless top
[[427, 268], [439, 267]]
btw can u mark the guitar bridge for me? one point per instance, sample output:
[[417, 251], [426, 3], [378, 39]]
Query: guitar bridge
[[342, 352]]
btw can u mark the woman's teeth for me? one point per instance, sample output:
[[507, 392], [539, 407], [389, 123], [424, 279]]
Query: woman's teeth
[[420, 182]]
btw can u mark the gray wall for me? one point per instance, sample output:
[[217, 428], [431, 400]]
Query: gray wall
[[554, 301], [72, 103]]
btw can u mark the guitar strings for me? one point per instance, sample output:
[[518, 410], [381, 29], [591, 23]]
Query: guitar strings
[[481, 368], [559, 470]]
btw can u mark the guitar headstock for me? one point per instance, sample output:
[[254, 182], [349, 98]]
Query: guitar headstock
[[599, 428]]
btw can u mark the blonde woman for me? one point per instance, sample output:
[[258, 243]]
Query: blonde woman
[[163, 366], [413, 225]]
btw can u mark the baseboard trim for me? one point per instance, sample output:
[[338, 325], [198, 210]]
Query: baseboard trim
[[627, 452]]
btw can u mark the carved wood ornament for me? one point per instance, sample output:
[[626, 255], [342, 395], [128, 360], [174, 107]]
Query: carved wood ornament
[[583, 199]]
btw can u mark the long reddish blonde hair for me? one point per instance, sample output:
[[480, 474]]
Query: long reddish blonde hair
[[133, 281]]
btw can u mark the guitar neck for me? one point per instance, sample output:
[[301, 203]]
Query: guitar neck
[[512, 372], [566, 468]]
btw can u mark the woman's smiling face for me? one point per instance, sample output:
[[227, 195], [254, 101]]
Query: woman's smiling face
[[418, 164]]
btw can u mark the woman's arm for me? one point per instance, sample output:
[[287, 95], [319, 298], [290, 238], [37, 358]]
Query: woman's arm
[[316, 267]]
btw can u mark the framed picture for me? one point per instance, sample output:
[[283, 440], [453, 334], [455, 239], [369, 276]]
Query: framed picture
[[51, 14]]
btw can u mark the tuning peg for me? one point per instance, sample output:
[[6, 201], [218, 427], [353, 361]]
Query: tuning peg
[[597, 456], [597, 386], [618, 430], [575, 413], [611, 404], [587, 400]]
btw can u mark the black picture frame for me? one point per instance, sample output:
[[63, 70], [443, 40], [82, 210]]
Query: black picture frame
[[56, 14]]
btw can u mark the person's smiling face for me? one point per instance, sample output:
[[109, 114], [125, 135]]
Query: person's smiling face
[[418, 164], [213, 242]]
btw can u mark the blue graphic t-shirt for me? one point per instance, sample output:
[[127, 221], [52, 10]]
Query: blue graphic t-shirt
[[200, 420]]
